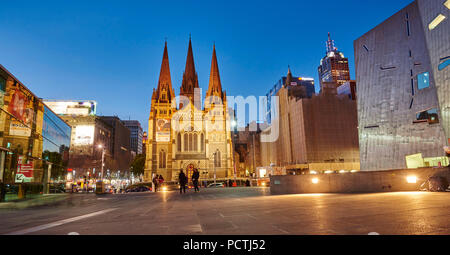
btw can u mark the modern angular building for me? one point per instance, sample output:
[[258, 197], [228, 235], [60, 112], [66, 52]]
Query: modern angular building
[[333, 69], [301, 86], [136, 134], [403, 77]]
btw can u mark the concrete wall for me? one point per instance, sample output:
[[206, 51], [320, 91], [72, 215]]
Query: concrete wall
[[373, 181]]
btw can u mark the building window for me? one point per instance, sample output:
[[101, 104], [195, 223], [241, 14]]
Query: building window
[[195, 142], [186, 140], [433, 24], [190, 142], [202, 142], [408, 30], [423, 80], [444, 64], [431, 116], [217, 158], [162, 159], [179, 142]]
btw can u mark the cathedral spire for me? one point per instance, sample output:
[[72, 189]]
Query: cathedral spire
[[190, 79], [215, 86], [165, 83]]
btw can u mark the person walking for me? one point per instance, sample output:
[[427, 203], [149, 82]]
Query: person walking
[[183, 180], [155, 182], [195, 177]]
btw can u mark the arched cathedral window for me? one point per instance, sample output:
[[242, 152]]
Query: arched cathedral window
[[217, 158], [195, 142], [179, 142], [162, 159]]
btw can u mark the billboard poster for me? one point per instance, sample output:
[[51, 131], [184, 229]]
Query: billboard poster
[[76, 108], [16, 128], [18, 107], [84, 135], [2, 90], [24, 171], [163, 130]]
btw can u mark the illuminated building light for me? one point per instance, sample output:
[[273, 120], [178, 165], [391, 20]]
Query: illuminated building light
[[342, 171], [312, 172], [328, 172], [164, 188], [436, 22], [447, 4], [315, 180], [354, 171], [411, 179]]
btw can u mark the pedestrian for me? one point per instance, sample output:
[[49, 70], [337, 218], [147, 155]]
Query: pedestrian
[[195, 177], [182, 179], [230, 183], [155, 182], [247, 183], [160, 179]]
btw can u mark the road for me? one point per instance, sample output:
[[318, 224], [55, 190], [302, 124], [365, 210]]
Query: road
[[236, 211]]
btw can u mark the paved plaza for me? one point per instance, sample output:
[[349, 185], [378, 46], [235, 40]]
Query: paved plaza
[[235, 211]]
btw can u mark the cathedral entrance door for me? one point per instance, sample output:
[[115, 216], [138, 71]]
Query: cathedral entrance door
[[189, 172]]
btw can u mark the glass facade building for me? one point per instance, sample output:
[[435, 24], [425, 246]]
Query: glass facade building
[[136, 135], [31, 139]]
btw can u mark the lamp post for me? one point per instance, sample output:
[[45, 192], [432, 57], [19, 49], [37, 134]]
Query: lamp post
[[233, 125], [215, 158], [103, 163], [103, 159]]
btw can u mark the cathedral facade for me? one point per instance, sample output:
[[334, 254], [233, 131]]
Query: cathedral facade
[[186, 132]]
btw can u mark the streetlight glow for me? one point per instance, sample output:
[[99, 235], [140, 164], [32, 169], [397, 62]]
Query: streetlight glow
[[411, 179]]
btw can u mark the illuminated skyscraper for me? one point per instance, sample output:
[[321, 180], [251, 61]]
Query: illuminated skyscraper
[[333, 69]]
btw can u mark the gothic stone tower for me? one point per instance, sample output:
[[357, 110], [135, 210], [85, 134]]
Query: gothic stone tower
[[189, 136]]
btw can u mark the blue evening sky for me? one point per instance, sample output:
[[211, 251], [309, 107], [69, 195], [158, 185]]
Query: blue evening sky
[[110, 51]]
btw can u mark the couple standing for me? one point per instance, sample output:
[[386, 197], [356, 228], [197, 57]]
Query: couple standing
[[182, 178]]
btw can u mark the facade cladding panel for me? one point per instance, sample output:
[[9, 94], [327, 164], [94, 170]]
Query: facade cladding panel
[[389, 59], [438, 43]]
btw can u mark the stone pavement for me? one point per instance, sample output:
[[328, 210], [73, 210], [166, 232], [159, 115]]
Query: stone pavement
[[237, 211]]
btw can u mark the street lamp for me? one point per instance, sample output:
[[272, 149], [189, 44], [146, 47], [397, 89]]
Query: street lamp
[[103, 158], [215, 158], [233, 125]]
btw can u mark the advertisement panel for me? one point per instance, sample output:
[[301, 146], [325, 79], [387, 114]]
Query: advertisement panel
[[2, 89], [84, 135], [19, 107], [24, 171], [16, 128], [163, 130], [78, 108]]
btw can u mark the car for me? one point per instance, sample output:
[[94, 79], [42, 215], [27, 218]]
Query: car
[[216, 185], [138, 189]]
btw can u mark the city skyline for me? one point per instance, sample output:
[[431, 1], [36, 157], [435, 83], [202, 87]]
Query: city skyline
[[92, 53]]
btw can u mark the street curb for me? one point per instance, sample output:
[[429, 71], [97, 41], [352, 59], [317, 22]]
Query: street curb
[[44, 200]]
